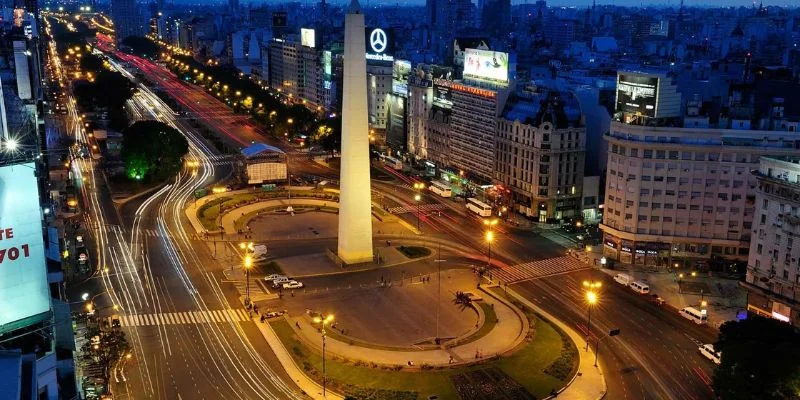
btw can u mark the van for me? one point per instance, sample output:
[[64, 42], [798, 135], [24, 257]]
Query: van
[[707, 350], [623, 279], [640, 287], [694, 315]]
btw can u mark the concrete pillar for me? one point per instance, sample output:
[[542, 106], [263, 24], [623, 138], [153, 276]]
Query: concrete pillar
[[355, 205]]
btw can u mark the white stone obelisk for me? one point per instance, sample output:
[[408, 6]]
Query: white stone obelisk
[[355, 204]]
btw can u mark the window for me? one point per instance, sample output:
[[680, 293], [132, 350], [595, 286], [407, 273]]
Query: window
[[655, 218], [669, 192], [642, 218], [645, 178], [644, 192], [759, 248], [648, 153], [763, 219], [628, 216], [667, 219], [766, 204], [656, 205], [644, 204], [694, 207]]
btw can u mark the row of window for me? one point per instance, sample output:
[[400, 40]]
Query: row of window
[[683, 155]]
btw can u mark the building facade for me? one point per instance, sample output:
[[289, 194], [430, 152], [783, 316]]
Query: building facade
[[126, 17], [296, 71], [773, 268], [540, 152]]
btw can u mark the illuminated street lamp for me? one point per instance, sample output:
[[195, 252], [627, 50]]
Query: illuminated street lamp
[[591, 300], [324, 321], [418, 199], [489, 239], [248, 265]]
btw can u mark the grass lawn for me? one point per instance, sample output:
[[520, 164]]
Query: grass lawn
[[208, 212], [414, 251], [526, 366]]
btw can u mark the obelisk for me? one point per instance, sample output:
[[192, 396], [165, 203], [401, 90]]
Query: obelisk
[[355, 204]]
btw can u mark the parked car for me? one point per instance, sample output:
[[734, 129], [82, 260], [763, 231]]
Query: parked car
[[273, 314], [707, 350], [274, 277], [292, 285], [278, 282], [657, 299]]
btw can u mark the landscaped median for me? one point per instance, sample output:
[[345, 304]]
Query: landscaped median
[[542, 360]]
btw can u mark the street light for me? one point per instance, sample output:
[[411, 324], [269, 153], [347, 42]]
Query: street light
[[489, 239], [324, 321], [418, 198], [248, 264], [591, 300]]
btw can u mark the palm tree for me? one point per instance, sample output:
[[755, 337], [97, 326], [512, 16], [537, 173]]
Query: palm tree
[[462, 299]]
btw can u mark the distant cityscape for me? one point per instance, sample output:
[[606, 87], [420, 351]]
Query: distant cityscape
[[439, 199]]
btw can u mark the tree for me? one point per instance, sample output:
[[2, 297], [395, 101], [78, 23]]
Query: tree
[[112, 89], [141, 46], [463, 299], [152, 150], [91, 63], [759, 360]]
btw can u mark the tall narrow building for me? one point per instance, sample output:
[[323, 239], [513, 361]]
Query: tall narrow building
[[127, 21], [355, 204]]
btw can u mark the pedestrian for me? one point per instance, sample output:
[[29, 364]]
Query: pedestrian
[[297, 324], [292, 293]]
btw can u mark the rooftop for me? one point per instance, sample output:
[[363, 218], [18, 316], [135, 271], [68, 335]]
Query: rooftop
[[534, 108]]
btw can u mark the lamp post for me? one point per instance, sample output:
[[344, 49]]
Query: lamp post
[[248, 264], [591, 300], [324, 321], [418, 186], [680, 280], [489, 239]]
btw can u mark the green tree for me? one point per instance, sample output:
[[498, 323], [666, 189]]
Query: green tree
[[759, 360], [112, 89], [141, 46], [91, 63], [152, 150]]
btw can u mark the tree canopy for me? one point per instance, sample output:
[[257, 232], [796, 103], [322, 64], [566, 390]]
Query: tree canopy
[[759, 360], [152, 150], [141, 46], [91, 63]]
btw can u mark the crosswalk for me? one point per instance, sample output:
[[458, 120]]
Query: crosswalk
[[184, 318], [110, 228], [413, 208], [558, 238], [537, 269]]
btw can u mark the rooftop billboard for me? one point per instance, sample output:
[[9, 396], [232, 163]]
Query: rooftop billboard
[[308, 38], [486, 65], [637, 94], [23, 274]]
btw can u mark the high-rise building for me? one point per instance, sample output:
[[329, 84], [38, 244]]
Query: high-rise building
[[678, 189], [496, 17], [127, 20], [540, 151], [296, 70], [773, 268]]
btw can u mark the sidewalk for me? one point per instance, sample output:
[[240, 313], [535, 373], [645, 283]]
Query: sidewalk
[[589, 382], [309, 386]]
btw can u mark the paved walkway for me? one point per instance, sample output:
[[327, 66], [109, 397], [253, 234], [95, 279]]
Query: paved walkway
[[591, 384], [509, 332]]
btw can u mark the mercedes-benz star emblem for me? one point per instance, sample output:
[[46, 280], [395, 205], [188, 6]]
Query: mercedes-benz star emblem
[[377, 40]]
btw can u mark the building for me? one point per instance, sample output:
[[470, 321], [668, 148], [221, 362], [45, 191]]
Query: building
[[540, 149], [678, 189], [126, 17], [773, 267], [296, 70], [379, 88]]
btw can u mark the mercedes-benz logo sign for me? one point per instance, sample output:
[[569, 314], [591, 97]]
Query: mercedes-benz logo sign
[[377, 40]]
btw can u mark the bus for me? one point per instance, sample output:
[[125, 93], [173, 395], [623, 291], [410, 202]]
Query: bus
[[441, 188], [394, 163], [479, 207]]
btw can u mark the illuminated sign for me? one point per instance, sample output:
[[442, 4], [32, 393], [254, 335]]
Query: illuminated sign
[[308, 38], [327, 60], [378, 42], [637, 94], [401, 69], [23, 275], [473, 90], [485, 65]]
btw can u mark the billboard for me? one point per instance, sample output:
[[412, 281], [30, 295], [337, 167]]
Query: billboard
[[637, 94], [401, 69], [379, 44], [23, 274], [280, 19], [308, 38], [442, 78], [327, 61], [486, 65]]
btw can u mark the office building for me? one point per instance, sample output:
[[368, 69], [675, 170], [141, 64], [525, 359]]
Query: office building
[[678, 189], [773, 268], [296, 70], [127, 20], [540, 150]]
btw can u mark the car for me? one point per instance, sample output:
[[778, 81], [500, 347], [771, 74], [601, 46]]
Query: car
[[274, 277], [277, 282], [273, 314], [707, 350], [657, 299], [292, 285]]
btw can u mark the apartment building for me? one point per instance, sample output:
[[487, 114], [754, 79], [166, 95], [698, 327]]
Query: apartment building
[[296, 70], [540, 152], [773, 268]]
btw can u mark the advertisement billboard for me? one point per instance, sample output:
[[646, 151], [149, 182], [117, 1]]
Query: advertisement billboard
[[23, 274], [280, 19], [379, 44], [486, 65], [637, 94], [327, 61], [308, 38], [442, 96], [401, 69]]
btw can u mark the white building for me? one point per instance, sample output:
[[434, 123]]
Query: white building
[[773, 268], [379, 86], [296, 70]]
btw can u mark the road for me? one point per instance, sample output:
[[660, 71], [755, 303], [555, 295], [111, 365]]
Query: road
[[655, 356]]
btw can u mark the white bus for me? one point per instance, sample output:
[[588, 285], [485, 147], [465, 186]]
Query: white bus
[[394, 163], [479, 207], [441, 188]]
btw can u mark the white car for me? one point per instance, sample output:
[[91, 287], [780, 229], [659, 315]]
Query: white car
[[274, 277], [707, 350], [292, 285]]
